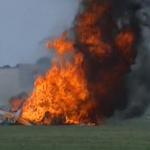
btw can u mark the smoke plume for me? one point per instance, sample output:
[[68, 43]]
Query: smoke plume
[[106, 70], [138, 81]]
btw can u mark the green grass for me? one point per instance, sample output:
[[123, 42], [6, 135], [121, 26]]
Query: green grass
[[128, 136]]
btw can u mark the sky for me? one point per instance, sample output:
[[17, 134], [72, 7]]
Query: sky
[[24, 24]]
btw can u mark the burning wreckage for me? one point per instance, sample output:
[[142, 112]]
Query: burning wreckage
[[9, 118], [14, 115], [86, 80]]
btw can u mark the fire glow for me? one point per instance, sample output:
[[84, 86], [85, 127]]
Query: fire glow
[[80, 86]]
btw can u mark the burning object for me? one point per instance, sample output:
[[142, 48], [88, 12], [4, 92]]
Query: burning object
[[14, 115], [88, 71], [17, 101], [9, 118], [82, 85]]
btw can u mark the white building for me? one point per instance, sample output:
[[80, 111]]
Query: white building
[[14, 80]]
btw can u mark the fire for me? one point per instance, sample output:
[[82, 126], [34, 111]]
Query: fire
[[59, 95], [61, 45], [89, 34], [81, 86], [16, 101], [123, 42]]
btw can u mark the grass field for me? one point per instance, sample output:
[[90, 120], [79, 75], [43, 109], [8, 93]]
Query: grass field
[[132, 135]]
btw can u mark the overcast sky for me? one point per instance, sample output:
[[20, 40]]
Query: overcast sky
[[25, 23]]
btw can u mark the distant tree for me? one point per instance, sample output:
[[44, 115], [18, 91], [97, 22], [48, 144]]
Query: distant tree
[[18, 65], [6, 66]]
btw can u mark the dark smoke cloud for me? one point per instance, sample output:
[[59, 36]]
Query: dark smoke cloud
[[133, 97], [138, 81]]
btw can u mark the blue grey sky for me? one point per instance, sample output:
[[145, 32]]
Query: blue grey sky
[[25, 23]]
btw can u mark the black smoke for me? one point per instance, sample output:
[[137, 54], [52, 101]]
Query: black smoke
[[132, 94], [134, 97], [138, 81]]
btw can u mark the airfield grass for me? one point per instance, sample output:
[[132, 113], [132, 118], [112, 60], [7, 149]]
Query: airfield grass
[[132, 135]]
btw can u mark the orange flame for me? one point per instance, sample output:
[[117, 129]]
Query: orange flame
[[65, 95], [90, 34], [61, 93]]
